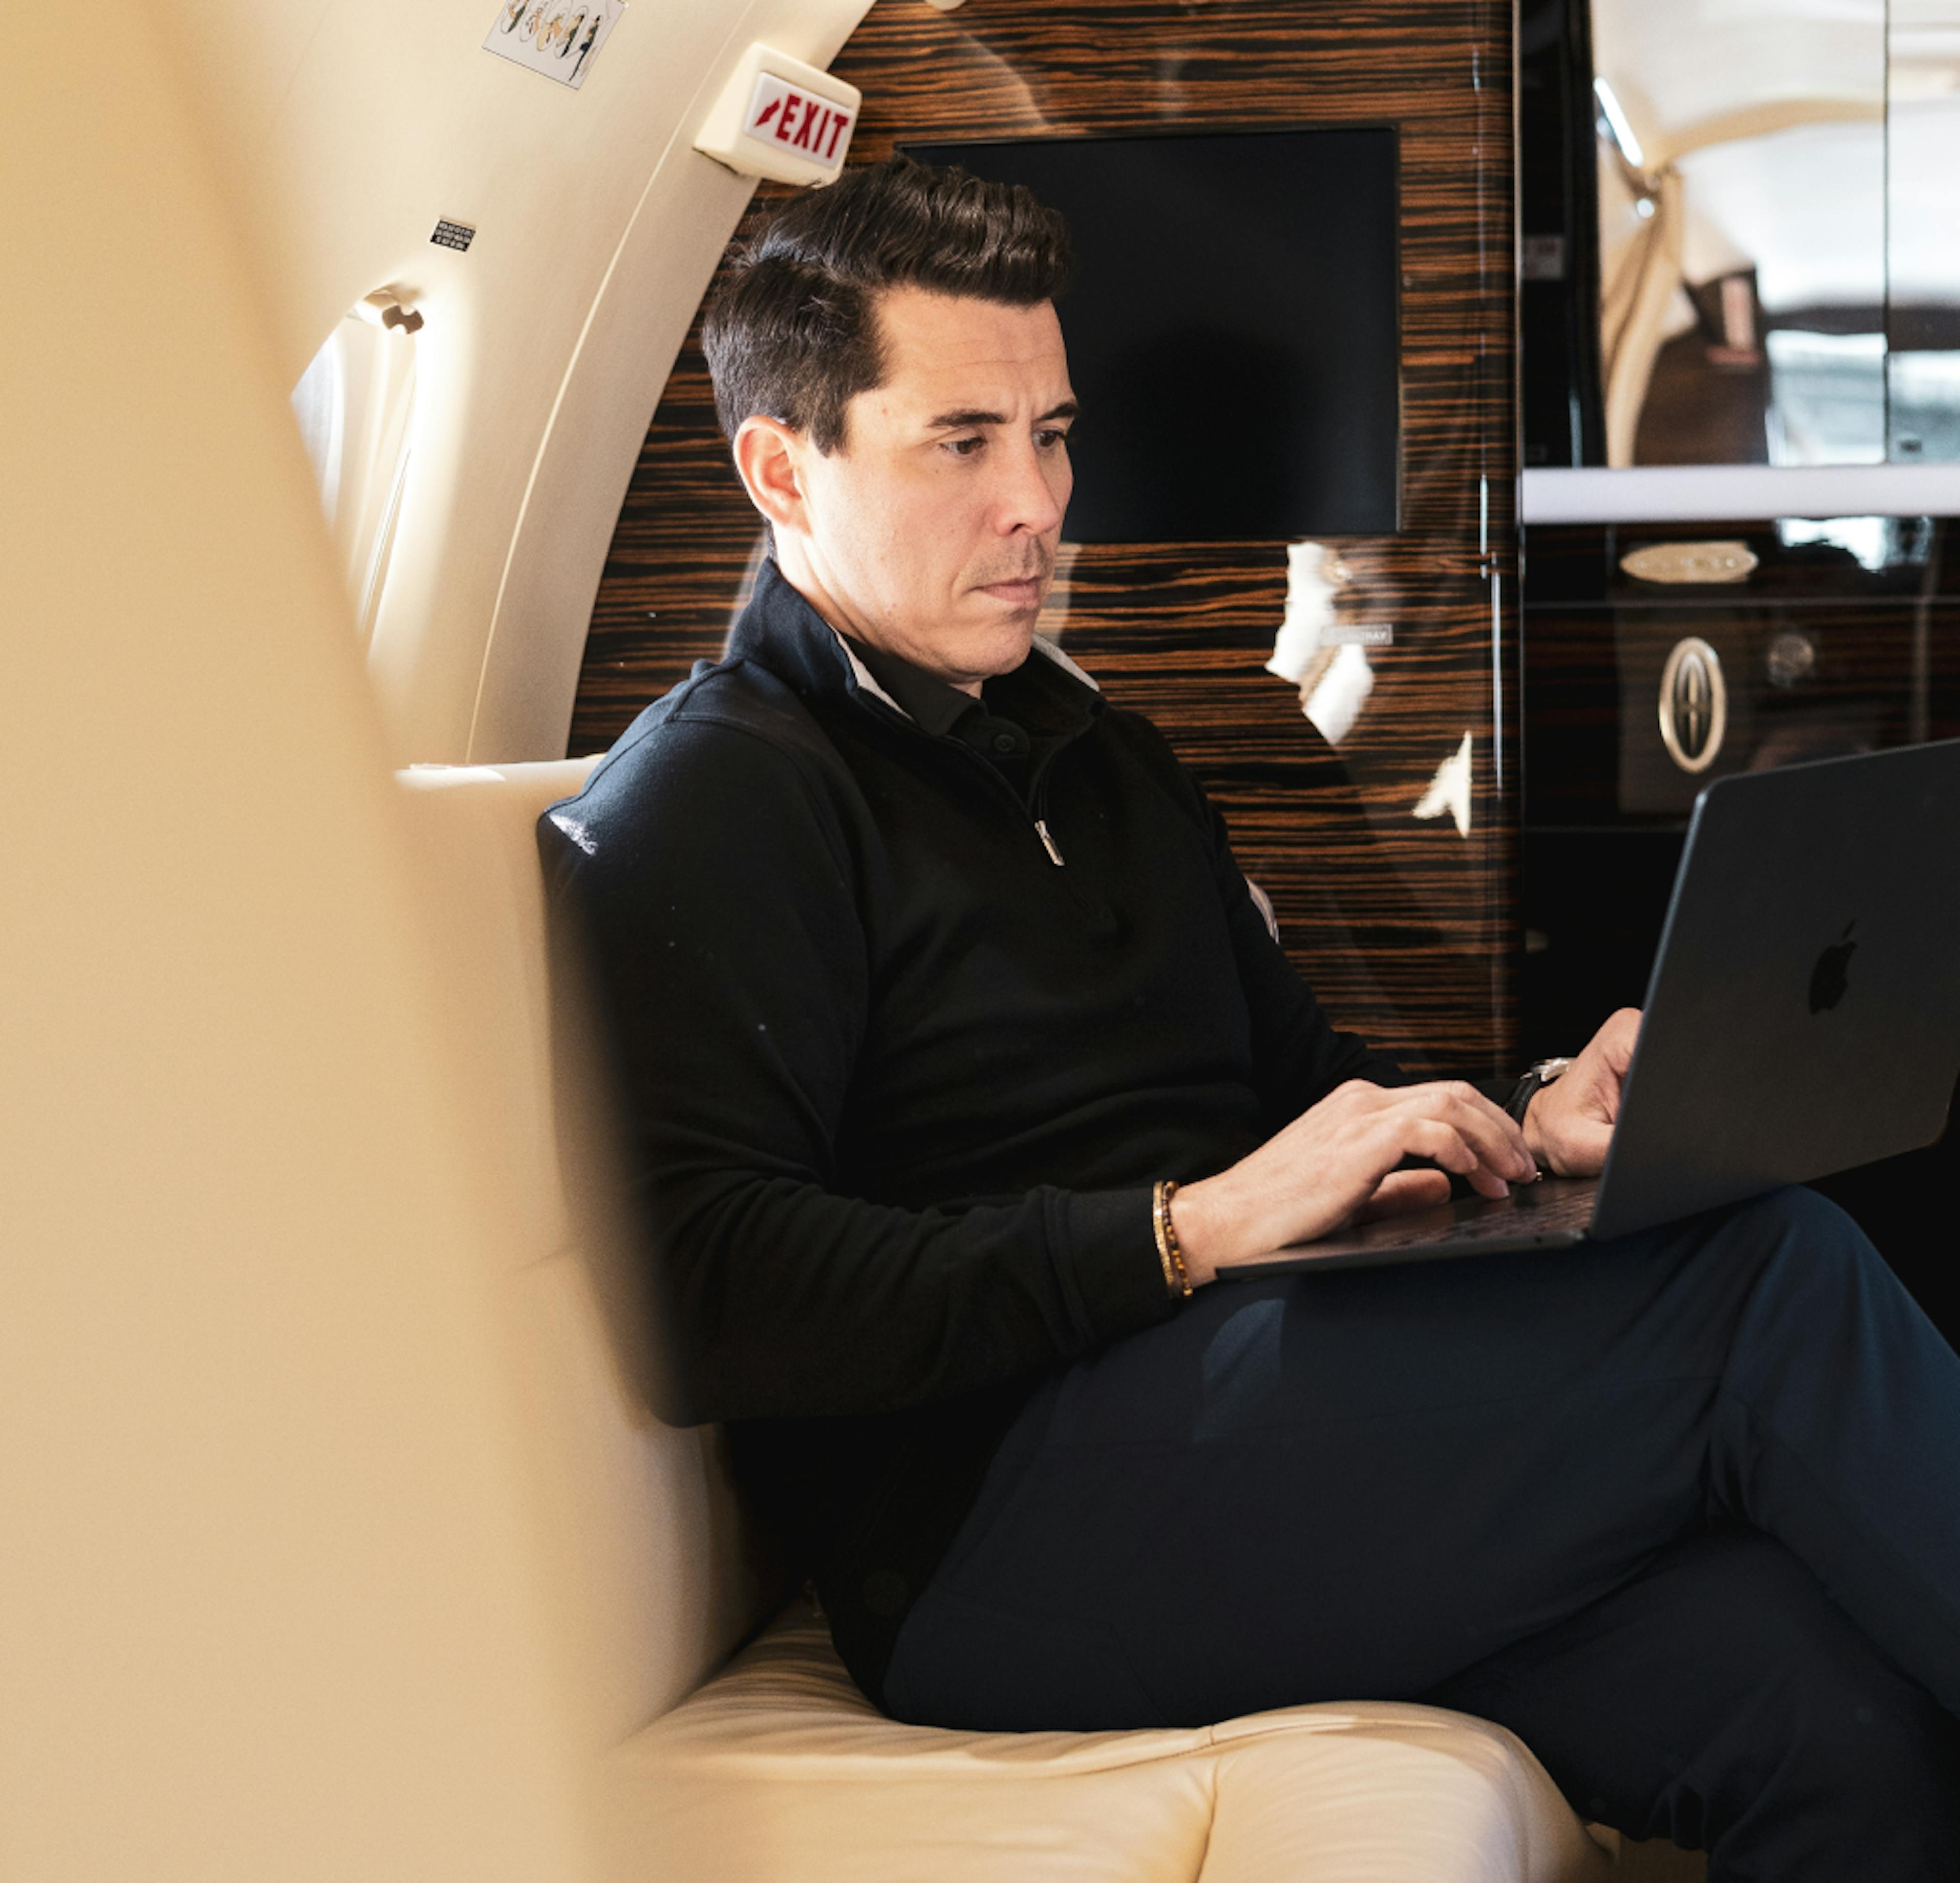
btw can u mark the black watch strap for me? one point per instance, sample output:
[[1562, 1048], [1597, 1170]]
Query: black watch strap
[[1527, 1088]]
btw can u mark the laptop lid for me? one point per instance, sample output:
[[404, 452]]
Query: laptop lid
[[1804, 1012]]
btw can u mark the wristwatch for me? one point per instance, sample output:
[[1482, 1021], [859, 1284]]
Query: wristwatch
[[1526, 1089]]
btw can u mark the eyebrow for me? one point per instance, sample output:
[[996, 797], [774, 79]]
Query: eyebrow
[[960, 421]]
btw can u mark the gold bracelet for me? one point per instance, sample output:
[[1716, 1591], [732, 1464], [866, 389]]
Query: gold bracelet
[[1175, 1278]]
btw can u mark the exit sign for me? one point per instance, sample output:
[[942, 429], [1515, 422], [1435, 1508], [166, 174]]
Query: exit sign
[[813, 128]]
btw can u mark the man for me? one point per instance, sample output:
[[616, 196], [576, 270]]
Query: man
[[961, 1070]]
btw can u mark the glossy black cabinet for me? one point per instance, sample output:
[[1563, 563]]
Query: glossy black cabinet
[[1658, 657]]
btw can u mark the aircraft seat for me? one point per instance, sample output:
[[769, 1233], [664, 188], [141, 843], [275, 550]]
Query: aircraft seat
[[774, 1769]]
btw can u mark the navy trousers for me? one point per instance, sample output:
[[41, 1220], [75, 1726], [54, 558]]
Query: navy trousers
[[1681, 1510]]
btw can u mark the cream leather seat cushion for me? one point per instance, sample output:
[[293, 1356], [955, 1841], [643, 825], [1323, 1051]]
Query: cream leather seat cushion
[[778, 1771]]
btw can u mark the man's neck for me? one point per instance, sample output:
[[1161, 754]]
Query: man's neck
[[795, 565]]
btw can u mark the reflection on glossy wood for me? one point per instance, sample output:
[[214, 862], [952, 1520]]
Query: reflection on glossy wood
[[1404, 925]]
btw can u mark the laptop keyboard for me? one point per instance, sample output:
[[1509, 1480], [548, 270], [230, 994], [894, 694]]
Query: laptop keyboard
[[1553, 1214], [1557, 1206]]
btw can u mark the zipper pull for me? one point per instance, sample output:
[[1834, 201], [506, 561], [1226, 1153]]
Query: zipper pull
[[1047, 842]]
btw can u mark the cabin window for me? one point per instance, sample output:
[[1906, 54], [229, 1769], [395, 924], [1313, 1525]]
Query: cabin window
[[354, 404]]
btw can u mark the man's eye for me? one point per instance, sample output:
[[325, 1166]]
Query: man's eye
[[964, 447], [1049, 437]]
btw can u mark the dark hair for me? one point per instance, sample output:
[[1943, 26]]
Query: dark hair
[[792, 332]]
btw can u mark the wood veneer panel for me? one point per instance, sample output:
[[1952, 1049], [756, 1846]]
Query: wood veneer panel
[[1404, 925]]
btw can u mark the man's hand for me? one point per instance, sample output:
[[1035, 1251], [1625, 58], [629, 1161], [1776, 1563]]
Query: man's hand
[[1569, 1123], [1342, 1157]]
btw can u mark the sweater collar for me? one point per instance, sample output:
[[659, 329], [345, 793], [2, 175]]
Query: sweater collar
[[780, 631]]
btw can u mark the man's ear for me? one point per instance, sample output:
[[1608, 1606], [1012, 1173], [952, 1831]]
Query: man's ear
[[770, 456]]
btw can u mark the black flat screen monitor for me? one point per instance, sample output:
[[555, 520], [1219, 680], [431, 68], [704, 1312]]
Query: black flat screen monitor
[[1233, 329]]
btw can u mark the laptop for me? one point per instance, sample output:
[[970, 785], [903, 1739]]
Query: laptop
[[1803, 1016]]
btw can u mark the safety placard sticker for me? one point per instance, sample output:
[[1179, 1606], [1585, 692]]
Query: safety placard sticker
[[558, 39]]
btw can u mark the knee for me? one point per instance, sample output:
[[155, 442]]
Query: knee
[[1797, 1219], [1804, 1243]]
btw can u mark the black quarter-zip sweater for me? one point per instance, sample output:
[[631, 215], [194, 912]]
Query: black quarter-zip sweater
[[904, 1044]]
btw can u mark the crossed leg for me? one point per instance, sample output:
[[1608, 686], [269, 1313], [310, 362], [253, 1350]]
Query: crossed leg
[[1400, 1483], [1719, 1701]]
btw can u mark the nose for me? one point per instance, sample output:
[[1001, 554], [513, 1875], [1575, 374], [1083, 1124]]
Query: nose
[[1032, 493]]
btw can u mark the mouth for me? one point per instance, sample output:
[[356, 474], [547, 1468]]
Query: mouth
[[1017, 591], [1024, 592]]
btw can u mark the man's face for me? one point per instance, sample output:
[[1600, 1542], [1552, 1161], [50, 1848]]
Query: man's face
[[931, 531]]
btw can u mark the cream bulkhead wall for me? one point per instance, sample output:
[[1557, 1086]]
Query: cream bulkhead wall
[[342, 130], [274, 1601]]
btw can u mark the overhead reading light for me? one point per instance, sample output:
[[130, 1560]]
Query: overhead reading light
[[1628, 145]]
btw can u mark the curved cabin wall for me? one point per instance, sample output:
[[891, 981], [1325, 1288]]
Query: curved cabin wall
[[340, 130], [1389, 860]]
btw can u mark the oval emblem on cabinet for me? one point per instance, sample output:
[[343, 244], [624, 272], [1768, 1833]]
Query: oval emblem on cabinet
[[1694, 704], [1691, 562]]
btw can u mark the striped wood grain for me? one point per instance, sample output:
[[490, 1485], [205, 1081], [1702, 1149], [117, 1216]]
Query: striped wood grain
[[1404, 925]]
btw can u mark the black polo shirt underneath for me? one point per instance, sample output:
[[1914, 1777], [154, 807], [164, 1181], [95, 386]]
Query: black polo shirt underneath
[[996, 725]]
